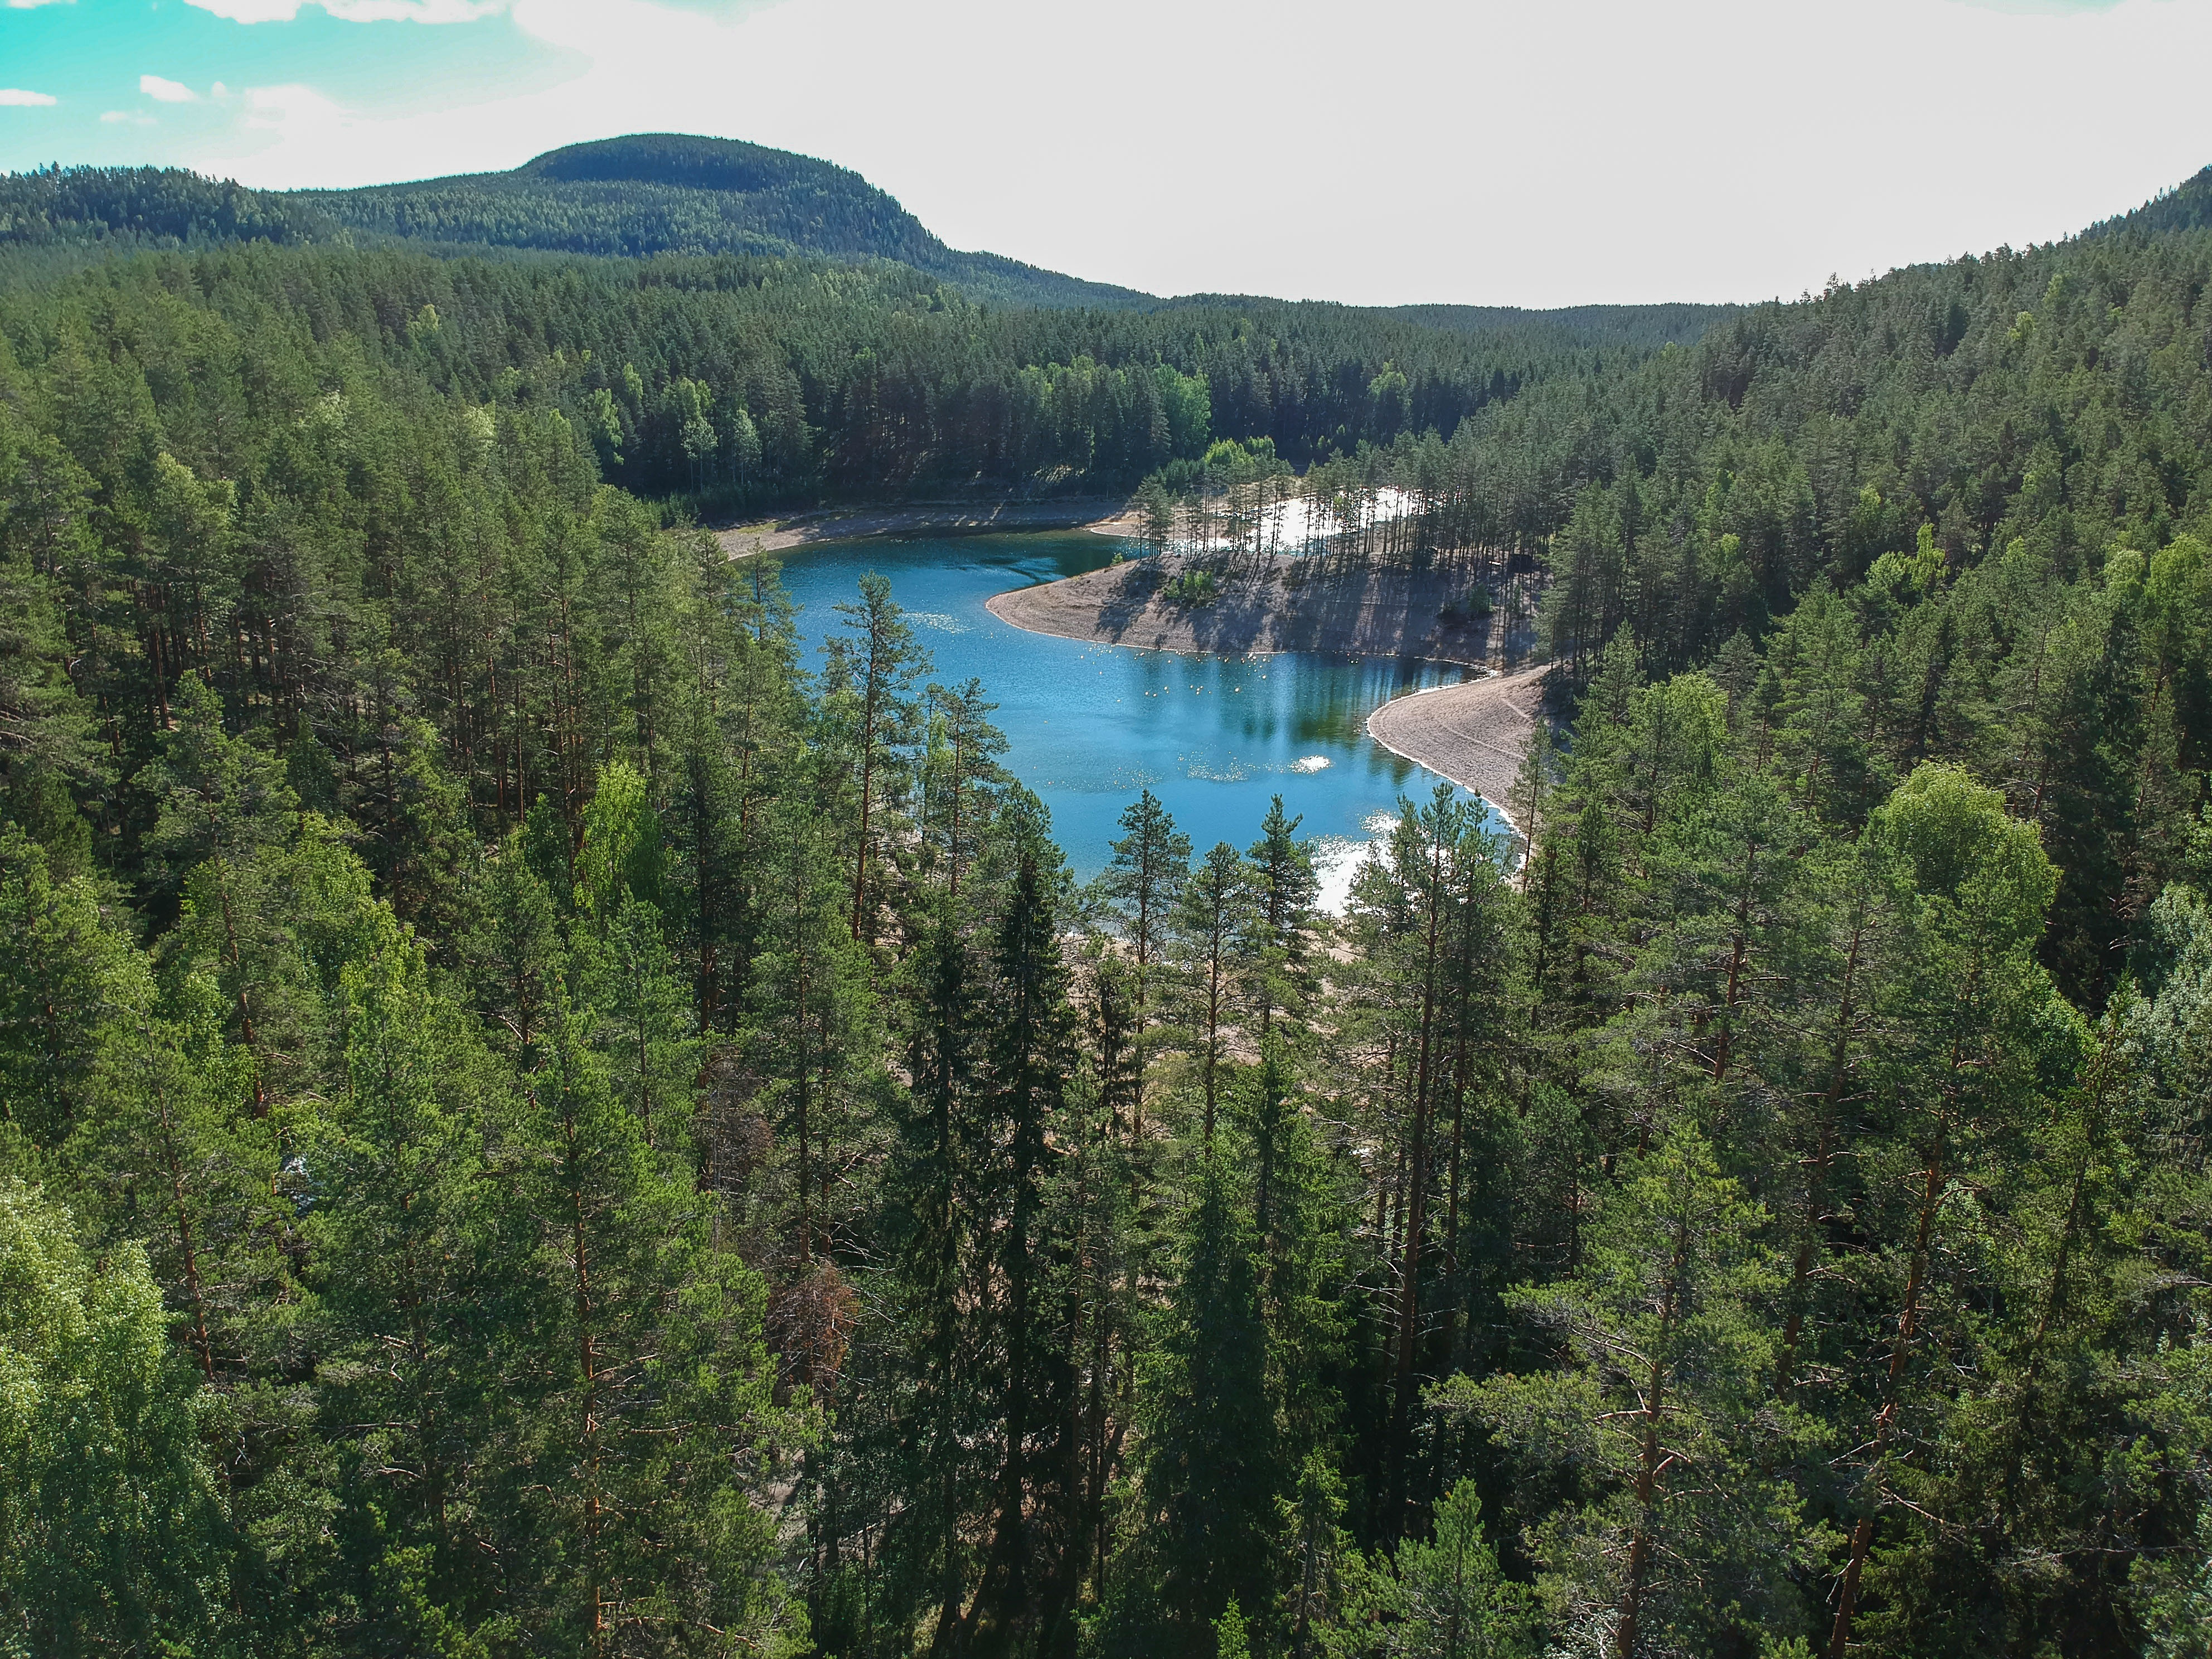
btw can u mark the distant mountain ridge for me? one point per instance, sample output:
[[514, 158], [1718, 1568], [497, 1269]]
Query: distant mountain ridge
[[647, 194], [661, 192]]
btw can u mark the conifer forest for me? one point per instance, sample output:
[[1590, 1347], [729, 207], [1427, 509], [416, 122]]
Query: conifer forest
[[540, 1117]]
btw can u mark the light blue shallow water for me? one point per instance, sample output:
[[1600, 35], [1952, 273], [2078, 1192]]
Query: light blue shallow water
[[1089, 726]]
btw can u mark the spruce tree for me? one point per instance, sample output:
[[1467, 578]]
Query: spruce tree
[[1212, 925], [1284, 885], [1151, 863]]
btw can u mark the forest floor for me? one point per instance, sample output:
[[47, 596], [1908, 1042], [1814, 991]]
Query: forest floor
[[1475, 733], [1107, 515], [1276, 602]]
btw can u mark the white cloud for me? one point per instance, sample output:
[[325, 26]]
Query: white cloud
[[251, 11], [1583, 151], [354, 11], [126, 118], [17, 98], [412, 11], [167, 91], [26, 5]]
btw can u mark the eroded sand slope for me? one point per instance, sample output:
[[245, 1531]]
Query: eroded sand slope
[[1475, 733], [1280, 604]]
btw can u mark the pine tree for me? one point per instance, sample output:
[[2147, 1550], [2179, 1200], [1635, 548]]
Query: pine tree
[[651, 1424], [1441, 1596], [416, 1327], [1299, 1227], [1285, 886], [940, 1171], [1680, 1529], [810, 1037], [64, 969], [1981, 1025], [1207, 1492], [867, 682], [962, 778], [1036, 1547]]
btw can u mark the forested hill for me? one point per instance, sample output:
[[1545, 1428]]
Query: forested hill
[[1631, 326], [668, 193], [749, 382], [129, 207], [2187, 207]]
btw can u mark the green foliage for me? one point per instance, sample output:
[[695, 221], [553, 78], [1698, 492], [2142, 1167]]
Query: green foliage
[[1206, 1499], [529, 1124], [1192, 589], [620, 860], [1441, 1597], [154, 207], [112, 1533], [1675, 1531]]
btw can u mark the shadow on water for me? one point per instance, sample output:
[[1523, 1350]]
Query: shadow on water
[[1089, 726]]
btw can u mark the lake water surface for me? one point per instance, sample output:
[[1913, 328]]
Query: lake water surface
[[1089, 726]]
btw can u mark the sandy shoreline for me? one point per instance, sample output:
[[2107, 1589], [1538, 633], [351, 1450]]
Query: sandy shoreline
[[1272, 603], [1105, 515], [1475, 733]]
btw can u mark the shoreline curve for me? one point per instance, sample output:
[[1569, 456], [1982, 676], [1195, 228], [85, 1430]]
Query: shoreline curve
[[1475, 733]]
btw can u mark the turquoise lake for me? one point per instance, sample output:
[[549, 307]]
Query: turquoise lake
[[1089, 726]]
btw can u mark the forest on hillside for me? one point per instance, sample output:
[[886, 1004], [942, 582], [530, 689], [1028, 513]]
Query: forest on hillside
[[759, 383], [531, 1125]]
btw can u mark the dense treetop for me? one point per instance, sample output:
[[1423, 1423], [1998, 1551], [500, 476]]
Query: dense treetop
[[764, 381], [2188, 206]]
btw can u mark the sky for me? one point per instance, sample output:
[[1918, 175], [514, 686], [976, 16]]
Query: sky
[[1563, 152]]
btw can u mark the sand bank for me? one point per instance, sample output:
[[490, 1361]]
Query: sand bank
[[1475, 733], [1272, 603], [1107, 516]]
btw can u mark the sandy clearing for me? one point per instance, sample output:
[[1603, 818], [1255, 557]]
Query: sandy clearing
[[1475, 733], [1105, 515]]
